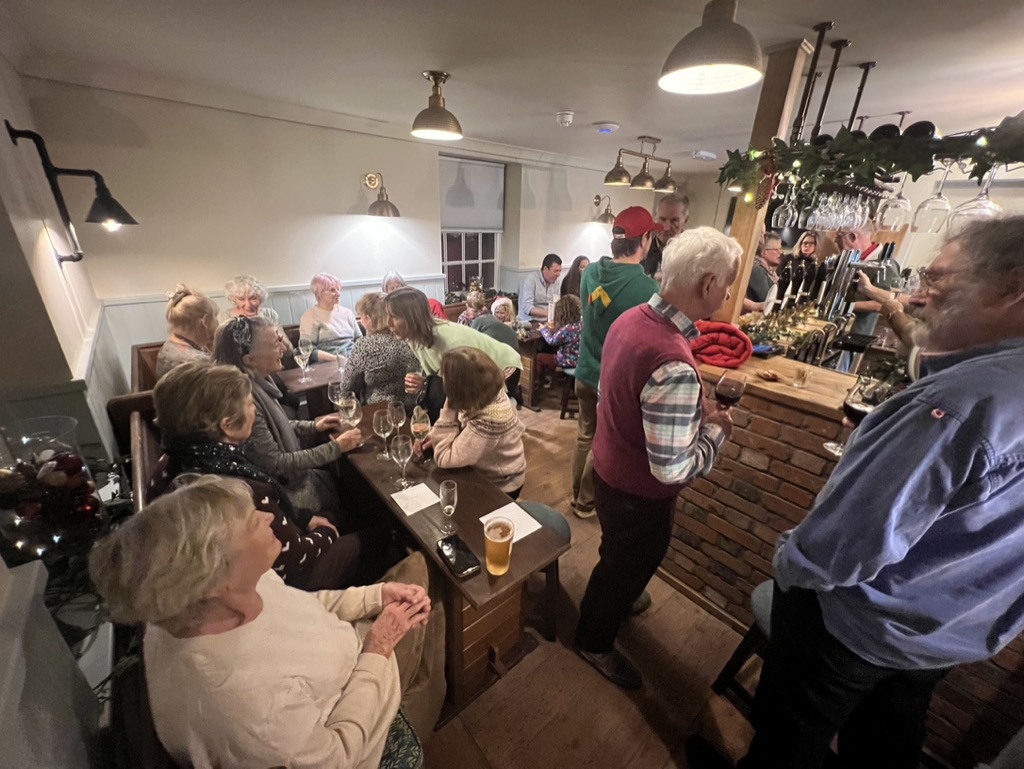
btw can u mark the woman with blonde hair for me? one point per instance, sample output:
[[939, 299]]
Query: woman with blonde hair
[[379, 361], [503, 309], [244, 671], [331, 328], [247, 296], [191, 323], [393, 281]]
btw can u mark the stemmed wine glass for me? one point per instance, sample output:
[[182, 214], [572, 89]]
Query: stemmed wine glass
[[787, 211], [397, 410], [382, 427], [730, 389], [977, 209], [449, 499], [895, 212], [351, 411], [934, 210], [856, 406], [336, 395], [302, 359], [401, 452], [419, 424]]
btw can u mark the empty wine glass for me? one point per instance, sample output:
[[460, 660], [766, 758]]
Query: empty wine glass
[[449, 499], [977, 209], [302, 360], [382, 427], [401, 451], [895, 212], [934, 210], [397, 410], [786, 211], [351, 412]]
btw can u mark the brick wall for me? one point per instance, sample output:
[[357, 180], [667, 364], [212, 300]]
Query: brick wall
[[726, 526]]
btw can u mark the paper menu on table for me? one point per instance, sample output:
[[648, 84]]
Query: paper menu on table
[[415, 498], [524, 522]]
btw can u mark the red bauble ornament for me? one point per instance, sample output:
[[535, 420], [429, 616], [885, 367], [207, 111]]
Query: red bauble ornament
[[90, 506]]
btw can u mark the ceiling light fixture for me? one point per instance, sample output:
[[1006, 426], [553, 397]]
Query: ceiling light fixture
[[619, 176], [381, 206], [717, 57], [104, 210], [606, 216], [436, 122]]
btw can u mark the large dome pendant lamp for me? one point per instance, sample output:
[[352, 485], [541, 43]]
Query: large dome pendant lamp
[[717, 57], [435, 122]]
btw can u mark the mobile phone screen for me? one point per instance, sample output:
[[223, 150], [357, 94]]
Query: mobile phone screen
[[458, 555]]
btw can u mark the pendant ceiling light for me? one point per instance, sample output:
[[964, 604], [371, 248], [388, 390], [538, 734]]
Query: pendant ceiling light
[[643, 180], [618, 176], [435, 122], [666, 183], [718, 56]]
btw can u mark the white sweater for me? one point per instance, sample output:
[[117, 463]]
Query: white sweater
[[291, 688]]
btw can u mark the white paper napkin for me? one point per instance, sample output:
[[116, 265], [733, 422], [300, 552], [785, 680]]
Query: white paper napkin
[[415, 498], [524, 522]]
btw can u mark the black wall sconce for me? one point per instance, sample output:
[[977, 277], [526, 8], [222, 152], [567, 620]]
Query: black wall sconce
[[104, 210]]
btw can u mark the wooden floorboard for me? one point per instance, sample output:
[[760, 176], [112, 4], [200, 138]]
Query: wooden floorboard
[[553, 710]]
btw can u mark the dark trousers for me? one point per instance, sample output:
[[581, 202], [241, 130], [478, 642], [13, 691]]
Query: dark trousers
[[635, 533], [812, 687]]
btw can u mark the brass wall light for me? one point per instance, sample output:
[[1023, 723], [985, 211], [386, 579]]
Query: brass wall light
[[606, 216], [436, 122], [381, 206], [717, 57], [619, 176], [104, 209]]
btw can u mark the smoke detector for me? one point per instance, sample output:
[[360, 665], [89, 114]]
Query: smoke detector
[[606, 127], [706, 155], [564, 118]]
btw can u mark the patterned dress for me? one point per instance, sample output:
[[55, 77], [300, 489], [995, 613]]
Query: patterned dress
[[377, 367], [567, 340]]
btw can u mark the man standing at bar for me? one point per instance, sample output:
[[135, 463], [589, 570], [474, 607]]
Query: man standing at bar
[[672, 213], [910, 561], [607, 289], [655, 434], [538, 291]]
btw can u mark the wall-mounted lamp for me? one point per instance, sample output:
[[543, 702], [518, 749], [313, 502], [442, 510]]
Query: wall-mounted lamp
[[606, 216], [381, 206], [436, 122], [104, 209], [619, 176]]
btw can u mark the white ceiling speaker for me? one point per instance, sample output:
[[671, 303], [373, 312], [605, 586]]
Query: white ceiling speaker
[[564, 118]]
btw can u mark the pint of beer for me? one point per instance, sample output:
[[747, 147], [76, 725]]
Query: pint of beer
[[498, 534]]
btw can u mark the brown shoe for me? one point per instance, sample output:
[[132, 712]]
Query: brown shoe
[[615, 667]]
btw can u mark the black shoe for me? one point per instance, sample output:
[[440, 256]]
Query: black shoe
[[615, 667], [641, 604], [701, 755]]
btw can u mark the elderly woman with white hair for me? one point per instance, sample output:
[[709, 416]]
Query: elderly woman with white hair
[[247, 296], [393, 281], [331, 328], [191, 323], [244, 671]]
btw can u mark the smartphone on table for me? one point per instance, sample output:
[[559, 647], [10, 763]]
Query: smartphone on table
[[459, 557]]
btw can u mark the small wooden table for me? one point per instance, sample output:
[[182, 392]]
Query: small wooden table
[[315, 390], [528, 349], [484, 613]]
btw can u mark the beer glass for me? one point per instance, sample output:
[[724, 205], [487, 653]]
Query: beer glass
[[498, 535]]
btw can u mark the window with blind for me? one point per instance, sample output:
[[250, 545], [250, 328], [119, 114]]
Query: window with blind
[[472, 220]]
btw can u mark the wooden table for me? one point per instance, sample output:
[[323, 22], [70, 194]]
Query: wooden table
[[528, 349], [484, 613], [315, 390]]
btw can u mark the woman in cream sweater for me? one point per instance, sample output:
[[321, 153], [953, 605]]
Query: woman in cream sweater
[[244, 671], [478, 426]]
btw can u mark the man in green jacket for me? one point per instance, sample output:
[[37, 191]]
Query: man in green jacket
[[608, 288]]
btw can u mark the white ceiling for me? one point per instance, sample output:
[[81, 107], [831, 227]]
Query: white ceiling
[[515, 63]]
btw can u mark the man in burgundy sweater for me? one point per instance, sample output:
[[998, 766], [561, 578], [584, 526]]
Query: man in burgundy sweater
[[655, 433]]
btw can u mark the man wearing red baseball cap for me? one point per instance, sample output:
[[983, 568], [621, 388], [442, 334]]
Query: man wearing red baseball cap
[[608, 288]]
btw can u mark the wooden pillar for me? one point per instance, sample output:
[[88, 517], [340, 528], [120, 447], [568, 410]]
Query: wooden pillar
[[779, 93]]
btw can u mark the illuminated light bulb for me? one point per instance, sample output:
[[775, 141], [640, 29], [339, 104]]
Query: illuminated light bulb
[[748, 198], [797, 164], [17, 520], [111, 226], [20, 544], [40, 550], [982, 141], [754, 154], [734, 188], [56, 538]]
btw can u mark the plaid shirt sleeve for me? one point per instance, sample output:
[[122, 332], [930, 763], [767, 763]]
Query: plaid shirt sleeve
[[679, 447]]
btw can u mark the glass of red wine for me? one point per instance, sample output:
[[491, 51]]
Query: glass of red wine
[[730, 389], [862, 399]]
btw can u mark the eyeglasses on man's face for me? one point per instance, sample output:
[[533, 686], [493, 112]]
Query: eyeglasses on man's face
[[930, 275]]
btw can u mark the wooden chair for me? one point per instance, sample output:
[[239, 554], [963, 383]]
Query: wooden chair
[[146, 452], [144, 365]]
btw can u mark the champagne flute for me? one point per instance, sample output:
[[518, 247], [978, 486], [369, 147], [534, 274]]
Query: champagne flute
[[449, 499], [419, 424], [401, 452], [302, 359], [730, 389], [397, 410], [382, 427]]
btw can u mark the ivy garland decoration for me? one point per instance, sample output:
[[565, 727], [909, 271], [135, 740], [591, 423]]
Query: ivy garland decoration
[[853, 159]]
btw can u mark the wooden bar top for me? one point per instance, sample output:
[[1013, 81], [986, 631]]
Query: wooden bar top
[[823, 395]]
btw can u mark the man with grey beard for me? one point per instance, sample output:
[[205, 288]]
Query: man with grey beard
[[910, 561]]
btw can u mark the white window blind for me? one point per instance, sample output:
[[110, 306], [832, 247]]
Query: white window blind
[[472, 195]]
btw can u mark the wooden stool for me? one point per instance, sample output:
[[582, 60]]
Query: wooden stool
[[569, 394], [754, 642]]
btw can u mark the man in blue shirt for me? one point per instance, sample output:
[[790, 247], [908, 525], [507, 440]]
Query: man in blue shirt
[[538, 291], [910, 562]]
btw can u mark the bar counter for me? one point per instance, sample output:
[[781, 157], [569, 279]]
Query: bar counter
[[764, 483]]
